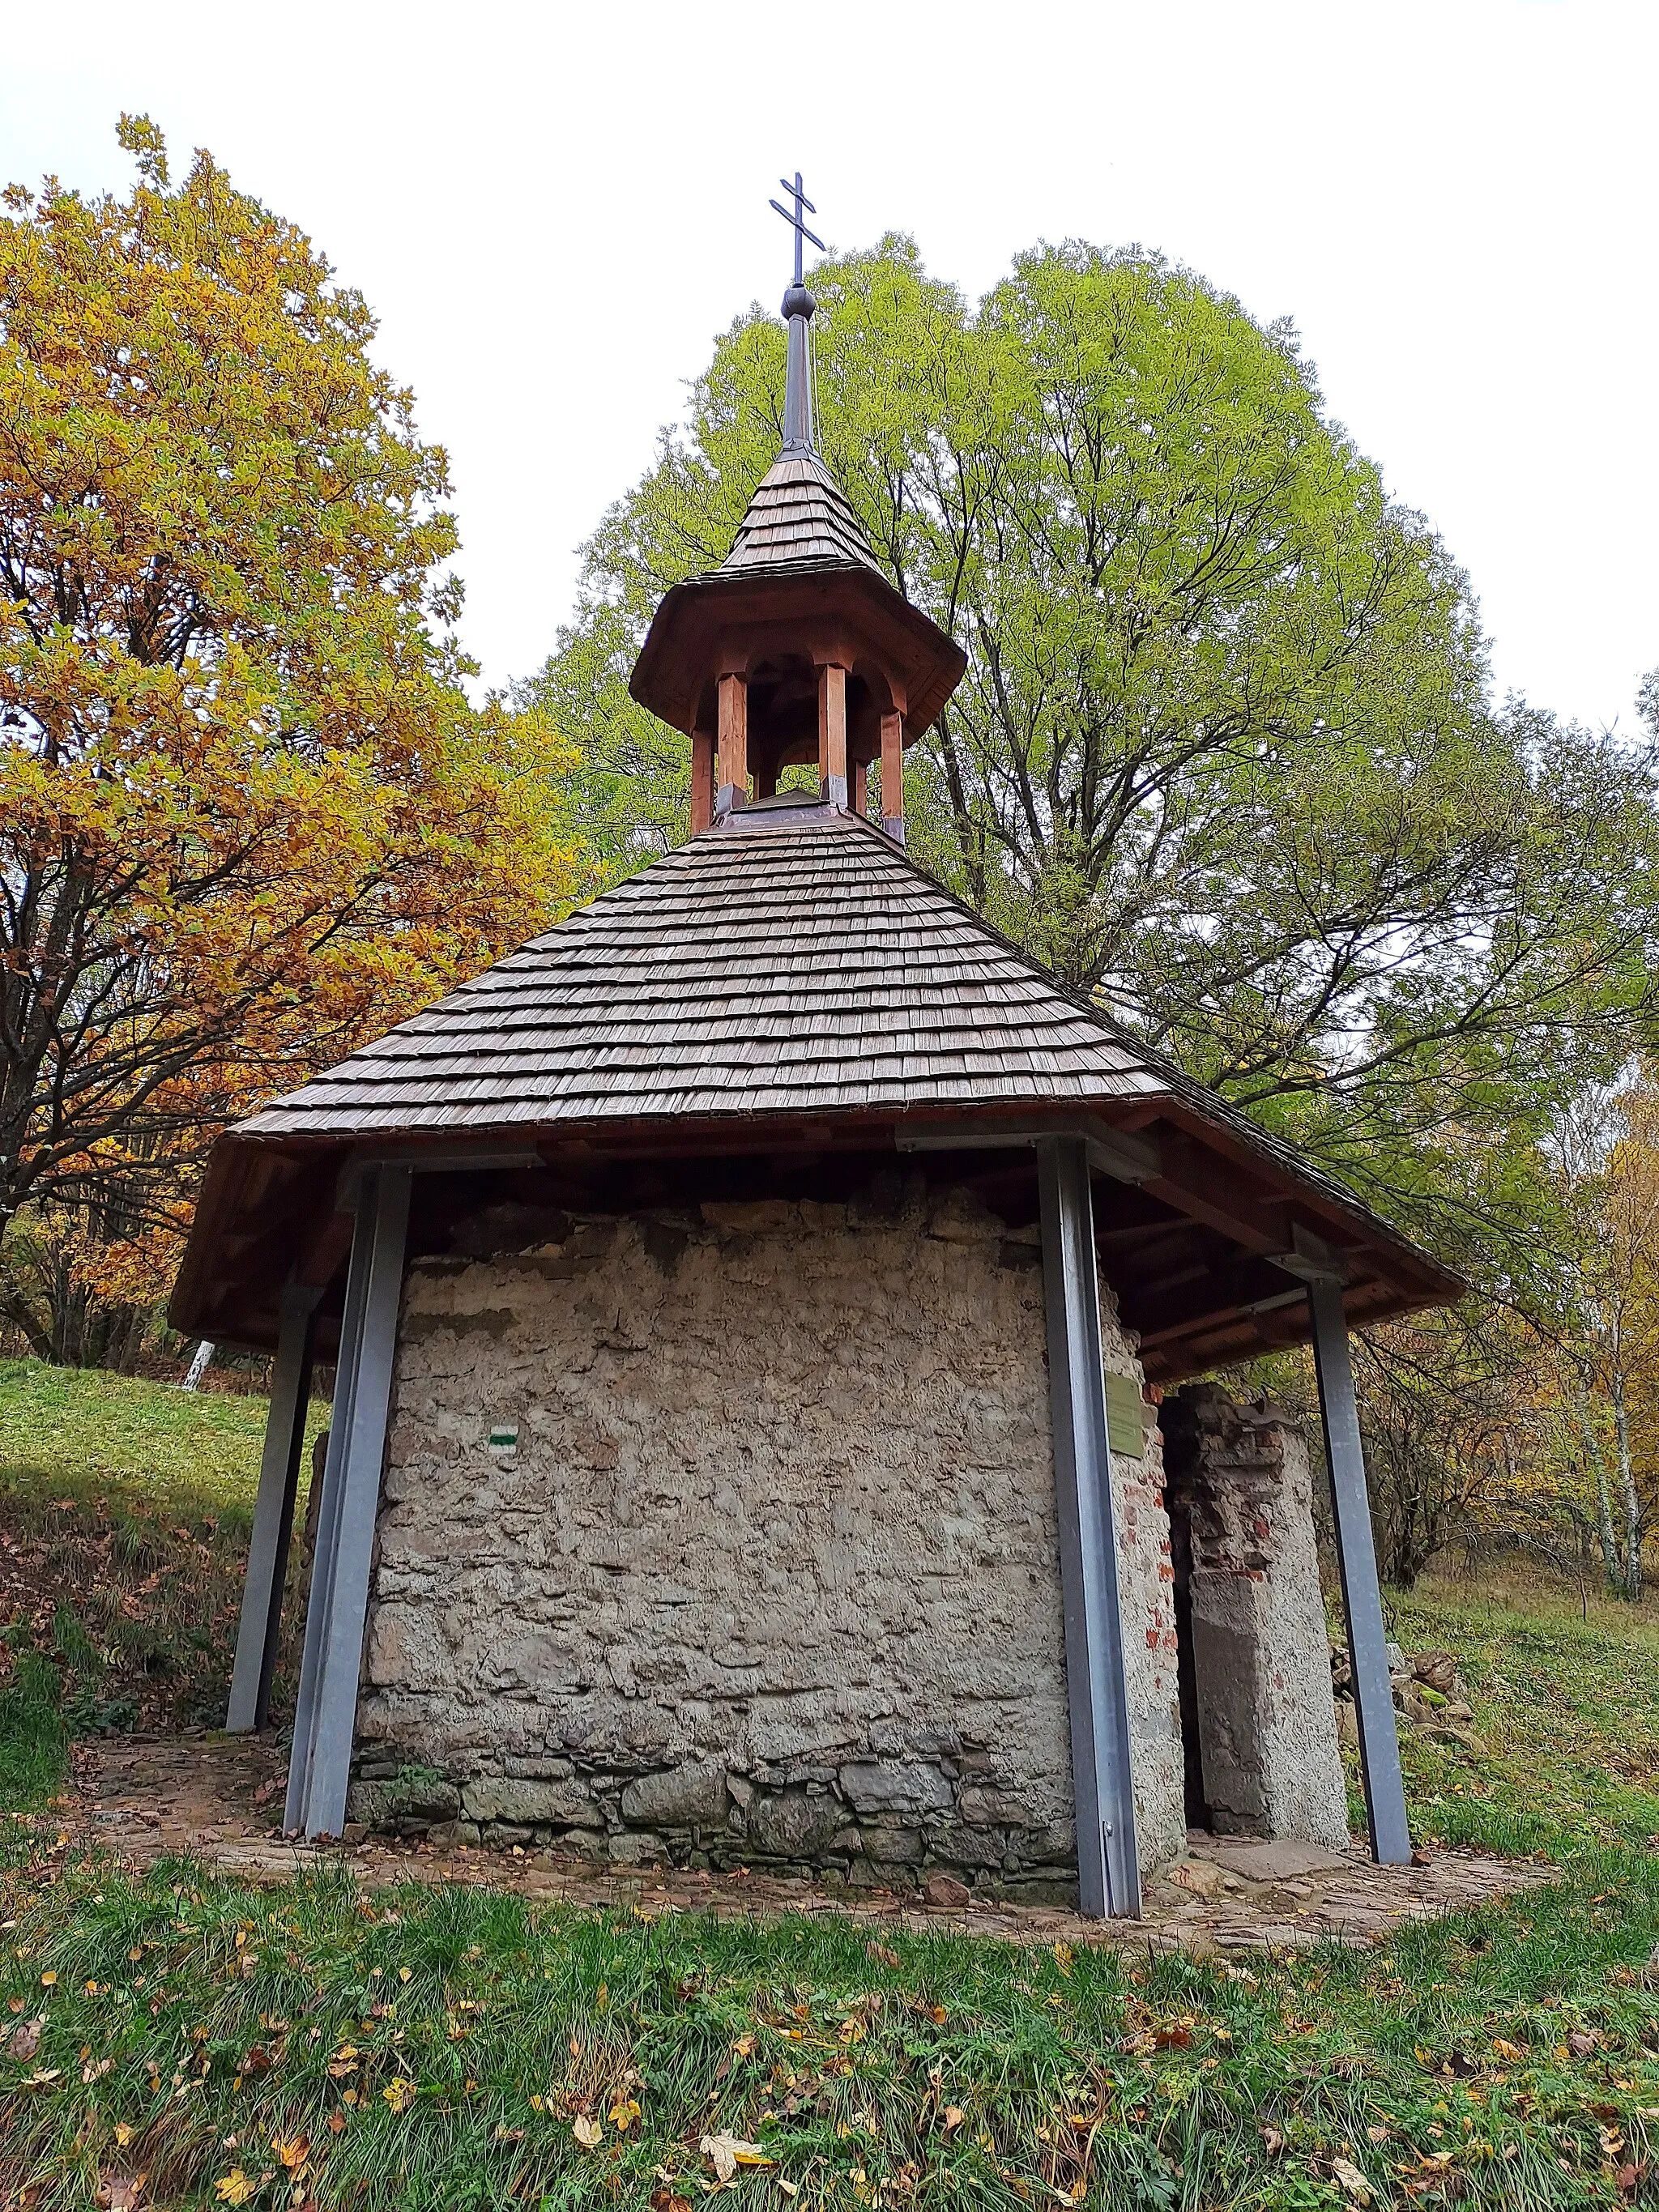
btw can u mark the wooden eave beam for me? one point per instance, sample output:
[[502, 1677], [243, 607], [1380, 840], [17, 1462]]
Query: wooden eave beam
[[1218, 1340], [1184, 1305], [1194, 1183], [1333, 1220], [1178, 1180]]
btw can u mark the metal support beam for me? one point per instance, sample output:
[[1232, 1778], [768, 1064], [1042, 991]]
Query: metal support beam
[[273, 1512], [320, 1765], [1361, 1599], [1108, 1869]]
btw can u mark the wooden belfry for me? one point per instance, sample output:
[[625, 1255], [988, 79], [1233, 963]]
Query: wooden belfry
[[796, 648]]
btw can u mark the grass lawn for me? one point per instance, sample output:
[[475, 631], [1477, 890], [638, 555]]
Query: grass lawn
[[1568, 1714], [190, 1454], [305, 2045], [125, 1508]]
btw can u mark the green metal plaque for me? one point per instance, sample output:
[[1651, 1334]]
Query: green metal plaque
[[1125, 1418]]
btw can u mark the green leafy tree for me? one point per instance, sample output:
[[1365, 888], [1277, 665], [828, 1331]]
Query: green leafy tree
[[1225, 754]]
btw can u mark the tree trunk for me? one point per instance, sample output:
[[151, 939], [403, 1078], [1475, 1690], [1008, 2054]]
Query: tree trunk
[[1632, 1574], [1610, 1561]]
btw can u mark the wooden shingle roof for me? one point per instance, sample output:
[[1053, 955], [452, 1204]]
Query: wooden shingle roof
[[799, 516], [787, 981], [793, 962]]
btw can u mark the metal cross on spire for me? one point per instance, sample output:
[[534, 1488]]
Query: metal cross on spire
[[792, 217], [798, 305]]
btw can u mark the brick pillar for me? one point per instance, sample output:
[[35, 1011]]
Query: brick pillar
[[1256, 1670]]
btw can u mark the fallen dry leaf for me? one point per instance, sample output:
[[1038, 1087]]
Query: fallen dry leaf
[[291, 2152], [399, 2094], [1273, 2140], [26, 2040], [234, 2187], [954, 2117], [725, 2154], [120, 2193], [1353, 2181], [1581, 2042], [589, 2133]]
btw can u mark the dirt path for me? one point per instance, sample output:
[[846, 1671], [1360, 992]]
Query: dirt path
[[220, 1798]]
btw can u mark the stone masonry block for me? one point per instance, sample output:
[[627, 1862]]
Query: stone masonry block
[[1238, 1484], [722, 1553]]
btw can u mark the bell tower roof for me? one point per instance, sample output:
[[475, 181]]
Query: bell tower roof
[[799, 518], [798, 647]]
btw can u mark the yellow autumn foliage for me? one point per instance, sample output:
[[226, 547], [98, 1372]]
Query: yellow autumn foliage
[[248, 814]]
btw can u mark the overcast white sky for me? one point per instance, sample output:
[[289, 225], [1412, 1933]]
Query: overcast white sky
[[552, 210]]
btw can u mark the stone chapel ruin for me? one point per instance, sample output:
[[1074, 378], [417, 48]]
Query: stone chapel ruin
[[757, 1307]]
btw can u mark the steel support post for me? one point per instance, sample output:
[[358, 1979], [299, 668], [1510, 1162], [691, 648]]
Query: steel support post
[[1108, 1869], [319, 1766], [1361, 1599], [273, 1512]]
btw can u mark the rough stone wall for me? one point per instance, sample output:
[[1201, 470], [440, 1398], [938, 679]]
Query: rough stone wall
[[1238, 1481], [1146, 1599], [772, 1573]]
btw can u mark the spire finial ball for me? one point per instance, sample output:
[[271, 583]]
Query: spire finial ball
[[798, 300]]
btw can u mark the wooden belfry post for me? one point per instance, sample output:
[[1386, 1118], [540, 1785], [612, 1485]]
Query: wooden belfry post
[[832, 733], [703, 780], [892, 775], [731, 768]]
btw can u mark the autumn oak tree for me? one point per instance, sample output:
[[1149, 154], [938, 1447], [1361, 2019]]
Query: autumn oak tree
[[247, 815]]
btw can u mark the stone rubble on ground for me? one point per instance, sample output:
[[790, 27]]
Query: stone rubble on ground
[[147, 1798], [1428, 1691]]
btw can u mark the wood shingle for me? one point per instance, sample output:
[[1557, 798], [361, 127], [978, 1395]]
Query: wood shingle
[[795, 962], [799, 516]]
